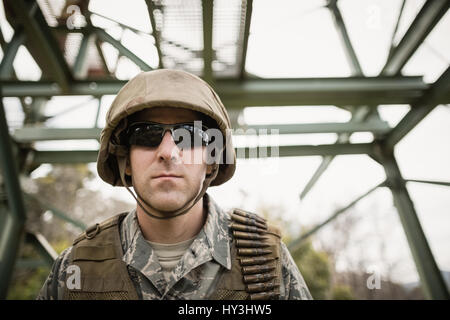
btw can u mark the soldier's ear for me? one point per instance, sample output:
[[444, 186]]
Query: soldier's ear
[[209, 169]]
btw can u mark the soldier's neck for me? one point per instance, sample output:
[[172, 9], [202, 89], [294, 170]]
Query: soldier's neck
[[174, 230]]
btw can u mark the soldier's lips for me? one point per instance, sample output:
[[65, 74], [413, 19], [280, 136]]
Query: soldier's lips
[[166, 177]]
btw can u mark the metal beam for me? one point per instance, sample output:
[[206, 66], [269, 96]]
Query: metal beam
[[80, 65], [58, 213], [327, 127], [122, 25], [208, 12], [432, 282], [30, 134], [40, 41], [13, 217], [345, 39], [263, 92], [102, 56], [243, 54], [84, 156], [318, 91], [431, 12], [9, 54], [316, 176], [44, 248], [294, 245], [155, 32], [394, 33], [420, 109], [104, 36], [440, 183]]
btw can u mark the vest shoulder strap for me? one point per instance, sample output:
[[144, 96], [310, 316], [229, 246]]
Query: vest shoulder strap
[[256, 265], [98, 254]]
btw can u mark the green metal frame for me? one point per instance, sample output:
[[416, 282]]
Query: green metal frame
[[297, 243], [263, 92], [12, 212], [208, 52], [358, 94], [6, 66]]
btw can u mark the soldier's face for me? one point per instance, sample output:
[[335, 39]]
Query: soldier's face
[[166, 176]]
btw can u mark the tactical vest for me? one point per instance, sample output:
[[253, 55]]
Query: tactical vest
[[255, 255]]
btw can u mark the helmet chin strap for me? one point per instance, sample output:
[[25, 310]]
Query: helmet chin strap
[[168, 214]]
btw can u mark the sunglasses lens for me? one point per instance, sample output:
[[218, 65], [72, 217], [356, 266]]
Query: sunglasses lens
[[147, 135]]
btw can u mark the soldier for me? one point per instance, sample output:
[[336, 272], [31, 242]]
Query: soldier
[[167, 135]]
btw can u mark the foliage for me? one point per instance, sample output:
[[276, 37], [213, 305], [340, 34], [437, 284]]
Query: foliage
[[27, 283], [342, 292], [315, 269]]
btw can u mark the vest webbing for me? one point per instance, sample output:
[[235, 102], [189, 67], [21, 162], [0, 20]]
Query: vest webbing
[[255, 256]]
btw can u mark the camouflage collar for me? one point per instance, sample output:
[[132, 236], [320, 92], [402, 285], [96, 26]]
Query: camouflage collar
[[216, 231], [214, 236]]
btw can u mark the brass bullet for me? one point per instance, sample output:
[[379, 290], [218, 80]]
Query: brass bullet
[[248, 235], [245, 228], [253, 251], [255, 260], [248, 221], [251, 244], [261, 277], [257, 269], [249, 215]]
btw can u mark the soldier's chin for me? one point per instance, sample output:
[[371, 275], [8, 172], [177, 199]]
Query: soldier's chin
[[167, 203]]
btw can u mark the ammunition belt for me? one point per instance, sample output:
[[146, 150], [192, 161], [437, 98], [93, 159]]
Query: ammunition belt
[[257, 262]]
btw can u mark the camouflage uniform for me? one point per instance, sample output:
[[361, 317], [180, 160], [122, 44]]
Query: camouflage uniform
[[196, 274]]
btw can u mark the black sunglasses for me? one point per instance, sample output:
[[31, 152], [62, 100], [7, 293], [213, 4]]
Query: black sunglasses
[[150, 134]]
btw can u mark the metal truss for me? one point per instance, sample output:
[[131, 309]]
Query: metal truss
[[357, 94]]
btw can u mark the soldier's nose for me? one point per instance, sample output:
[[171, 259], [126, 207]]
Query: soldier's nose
[[167, 149]]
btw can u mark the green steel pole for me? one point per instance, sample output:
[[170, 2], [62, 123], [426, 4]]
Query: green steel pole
[[13, 218], [433, 284]]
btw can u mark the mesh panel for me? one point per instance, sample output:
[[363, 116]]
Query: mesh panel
[[223, 294], [114, 295]]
